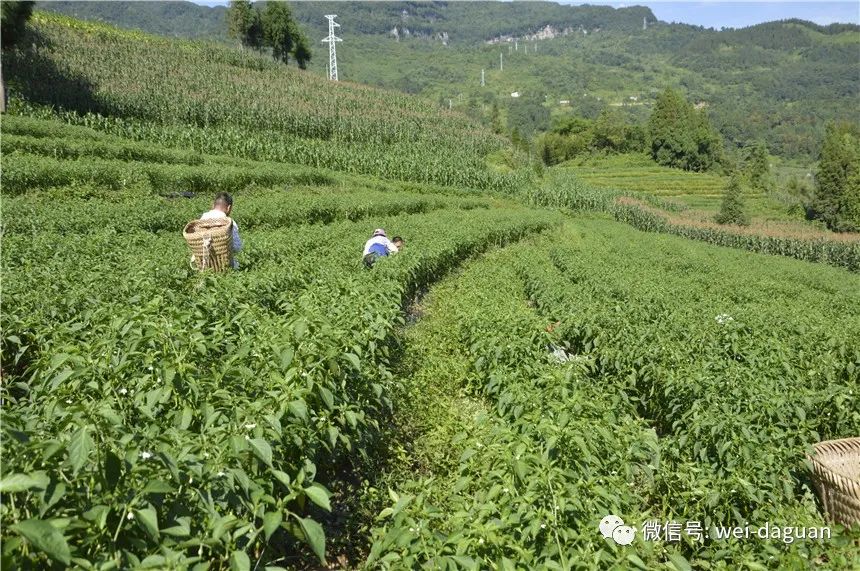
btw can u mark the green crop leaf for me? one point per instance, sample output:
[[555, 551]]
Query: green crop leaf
[[79, 449], [271, 522], [680, 562], [287, 357], [181, 529], [157, 487], [112, 469], [148, 520], [637, 561], [300, 328], [353, 360], [239, 561], [299, 409], [319, 495], [262, 450], [46, 538], [315, 537], [23, 482]]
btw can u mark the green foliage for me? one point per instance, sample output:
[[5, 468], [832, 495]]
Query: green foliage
[[837, 182], [661, 408], [198, 417], [681, 136], [13, 18], [226, 112], [302, 50], [244, 24], [527, 115], [279, 30], [757, 167], [563, 189], [843, 254], [779, 82], [155, 417], [732, 208]]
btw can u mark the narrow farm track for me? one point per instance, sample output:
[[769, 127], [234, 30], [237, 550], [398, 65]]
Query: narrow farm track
[[502, 448]]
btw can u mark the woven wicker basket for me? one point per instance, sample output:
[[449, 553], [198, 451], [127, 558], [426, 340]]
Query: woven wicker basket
[[836, 470], [211, 243]]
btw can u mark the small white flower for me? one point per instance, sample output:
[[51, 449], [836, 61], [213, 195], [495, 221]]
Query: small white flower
[[411, 530], [543, 526], [68, 401], [723, 318], [123, 391], [250, 426], [149, 367], [518, 456], [481, 541], [146, 455], [479, 445], [206, 455], [129, 516], [247, 437], [506, 490], [221, 474]]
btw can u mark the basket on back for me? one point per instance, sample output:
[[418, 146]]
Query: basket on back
[[836, 470], [211, 243]]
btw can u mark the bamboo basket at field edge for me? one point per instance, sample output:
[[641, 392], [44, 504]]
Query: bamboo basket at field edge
[[211, 243], [836, 471]]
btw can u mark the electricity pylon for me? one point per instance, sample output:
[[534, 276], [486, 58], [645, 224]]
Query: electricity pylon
[[332, 40]]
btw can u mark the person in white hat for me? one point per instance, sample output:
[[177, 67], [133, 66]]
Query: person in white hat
[[379, 245]]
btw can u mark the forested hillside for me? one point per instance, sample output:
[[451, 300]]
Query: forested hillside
[[780, 82]]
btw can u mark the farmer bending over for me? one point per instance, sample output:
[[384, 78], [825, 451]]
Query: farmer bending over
[[221, 208], [379, 245]]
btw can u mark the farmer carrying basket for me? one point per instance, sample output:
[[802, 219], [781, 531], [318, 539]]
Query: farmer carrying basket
[[214, 238]]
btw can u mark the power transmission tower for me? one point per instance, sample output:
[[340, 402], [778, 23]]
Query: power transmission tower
[[332, 40]]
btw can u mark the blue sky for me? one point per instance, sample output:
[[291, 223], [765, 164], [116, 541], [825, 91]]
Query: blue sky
[[741, 14], [724, 14]]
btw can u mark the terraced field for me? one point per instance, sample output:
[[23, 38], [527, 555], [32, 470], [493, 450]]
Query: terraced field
[[640, 174], [149, 406], [481, 400]]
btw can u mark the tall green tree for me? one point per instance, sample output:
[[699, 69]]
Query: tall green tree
[[302, 50], [279, 30], [732, 208], [681, 136], [757, 166], [13, 20], [837, 181], [609, 131], [244, 24]]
